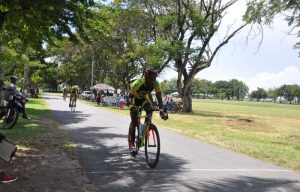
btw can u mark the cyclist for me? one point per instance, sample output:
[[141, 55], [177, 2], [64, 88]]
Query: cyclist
[[140, 95], [65, 92], [74, 93]]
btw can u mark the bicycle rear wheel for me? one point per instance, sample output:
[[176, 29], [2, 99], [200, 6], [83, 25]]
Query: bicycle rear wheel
[[152, 146]]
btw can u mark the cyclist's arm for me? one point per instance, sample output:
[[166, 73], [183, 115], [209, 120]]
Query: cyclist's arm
[[158, 95]]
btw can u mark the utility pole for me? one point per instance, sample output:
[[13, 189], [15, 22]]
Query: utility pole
[[92, 76]]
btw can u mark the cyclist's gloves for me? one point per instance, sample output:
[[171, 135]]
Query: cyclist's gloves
[[163, 114], [128, 100], [1, 137]]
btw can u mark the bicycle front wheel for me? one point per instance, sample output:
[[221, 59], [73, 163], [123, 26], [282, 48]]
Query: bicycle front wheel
[[152, 146]]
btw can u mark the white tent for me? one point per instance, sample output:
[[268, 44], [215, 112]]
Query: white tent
[[103, 86]]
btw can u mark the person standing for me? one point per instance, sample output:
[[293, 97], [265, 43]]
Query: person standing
[[4, 178], [121, 102]]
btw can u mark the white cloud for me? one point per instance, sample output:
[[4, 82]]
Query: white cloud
[[289, 75]]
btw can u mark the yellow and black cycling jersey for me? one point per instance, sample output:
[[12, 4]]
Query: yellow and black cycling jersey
[[140, 91], [74, 90]]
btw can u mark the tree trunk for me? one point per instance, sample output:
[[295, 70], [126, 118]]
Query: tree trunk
[[179, 85], [26, 75], [187, 97], [1, 80], [1, 85]]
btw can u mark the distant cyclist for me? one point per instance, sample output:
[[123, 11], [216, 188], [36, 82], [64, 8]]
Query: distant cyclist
[[140, 95], [74, 92], [65, 92]]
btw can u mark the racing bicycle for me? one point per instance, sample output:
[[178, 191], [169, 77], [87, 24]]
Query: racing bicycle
[[73, 103], [147, 135]]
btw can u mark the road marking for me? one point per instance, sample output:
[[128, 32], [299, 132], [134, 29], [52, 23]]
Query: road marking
[[186, 170]]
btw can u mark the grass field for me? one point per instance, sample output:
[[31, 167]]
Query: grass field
[[265, 131], [26, 132]]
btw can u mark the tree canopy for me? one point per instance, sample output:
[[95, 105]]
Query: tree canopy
[[264, 12], [67, 42]]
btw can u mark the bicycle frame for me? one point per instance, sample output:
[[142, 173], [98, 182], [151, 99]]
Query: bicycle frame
[[73, 105], [146, 129], [150, 139], [73, 98]]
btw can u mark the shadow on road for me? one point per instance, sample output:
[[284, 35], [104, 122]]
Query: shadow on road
[[69, 117], [103, 152], [116, 170], [245, 184]]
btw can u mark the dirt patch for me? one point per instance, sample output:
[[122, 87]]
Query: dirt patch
[[240, 122], [47, 168]]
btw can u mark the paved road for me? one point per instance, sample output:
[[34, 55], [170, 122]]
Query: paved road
[[185, 164]]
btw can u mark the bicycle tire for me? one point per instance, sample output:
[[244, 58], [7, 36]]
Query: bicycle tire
[[152, 133], [9, 125]]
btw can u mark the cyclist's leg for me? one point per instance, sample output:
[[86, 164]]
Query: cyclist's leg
[[71, 97], [134, 118], [75, 99], [148, 107]]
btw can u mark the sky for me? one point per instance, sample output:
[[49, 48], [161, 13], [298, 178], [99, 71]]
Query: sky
[[269, 65]]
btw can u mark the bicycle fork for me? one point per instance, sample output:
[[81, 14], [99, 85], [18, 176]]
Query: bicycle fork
[[151, 137], [150, 134]]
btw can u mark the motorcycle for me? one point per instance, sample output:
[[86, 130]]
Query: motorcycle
[[14, 106]]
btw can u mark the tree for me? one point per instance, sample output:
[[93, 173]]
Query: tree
[[238, 89], [264, 12], [202, 86], [289, 92], [260, 93], [273, 93], [189, 27], [33, 23], [222, 89], [168, 86]]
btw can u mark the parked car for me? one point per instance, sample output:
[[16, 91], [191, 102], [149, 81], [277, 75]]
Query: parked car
[[87, 95]]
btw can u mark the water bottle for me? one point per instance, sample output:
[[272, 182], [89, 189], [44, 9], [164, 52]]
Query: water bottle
[[142, 129]]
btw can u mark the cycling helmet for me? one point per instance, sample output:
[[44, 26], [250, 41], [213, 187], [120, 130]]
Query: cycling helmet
[[13, 79], [150, 74]]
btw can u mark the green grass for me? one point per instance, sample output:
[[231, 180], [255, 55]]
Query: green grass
[[265, 131], [262, 130], [27, 133]]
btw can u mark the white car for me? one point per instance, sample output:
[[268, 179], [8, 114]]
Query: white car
[[87, 95]]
